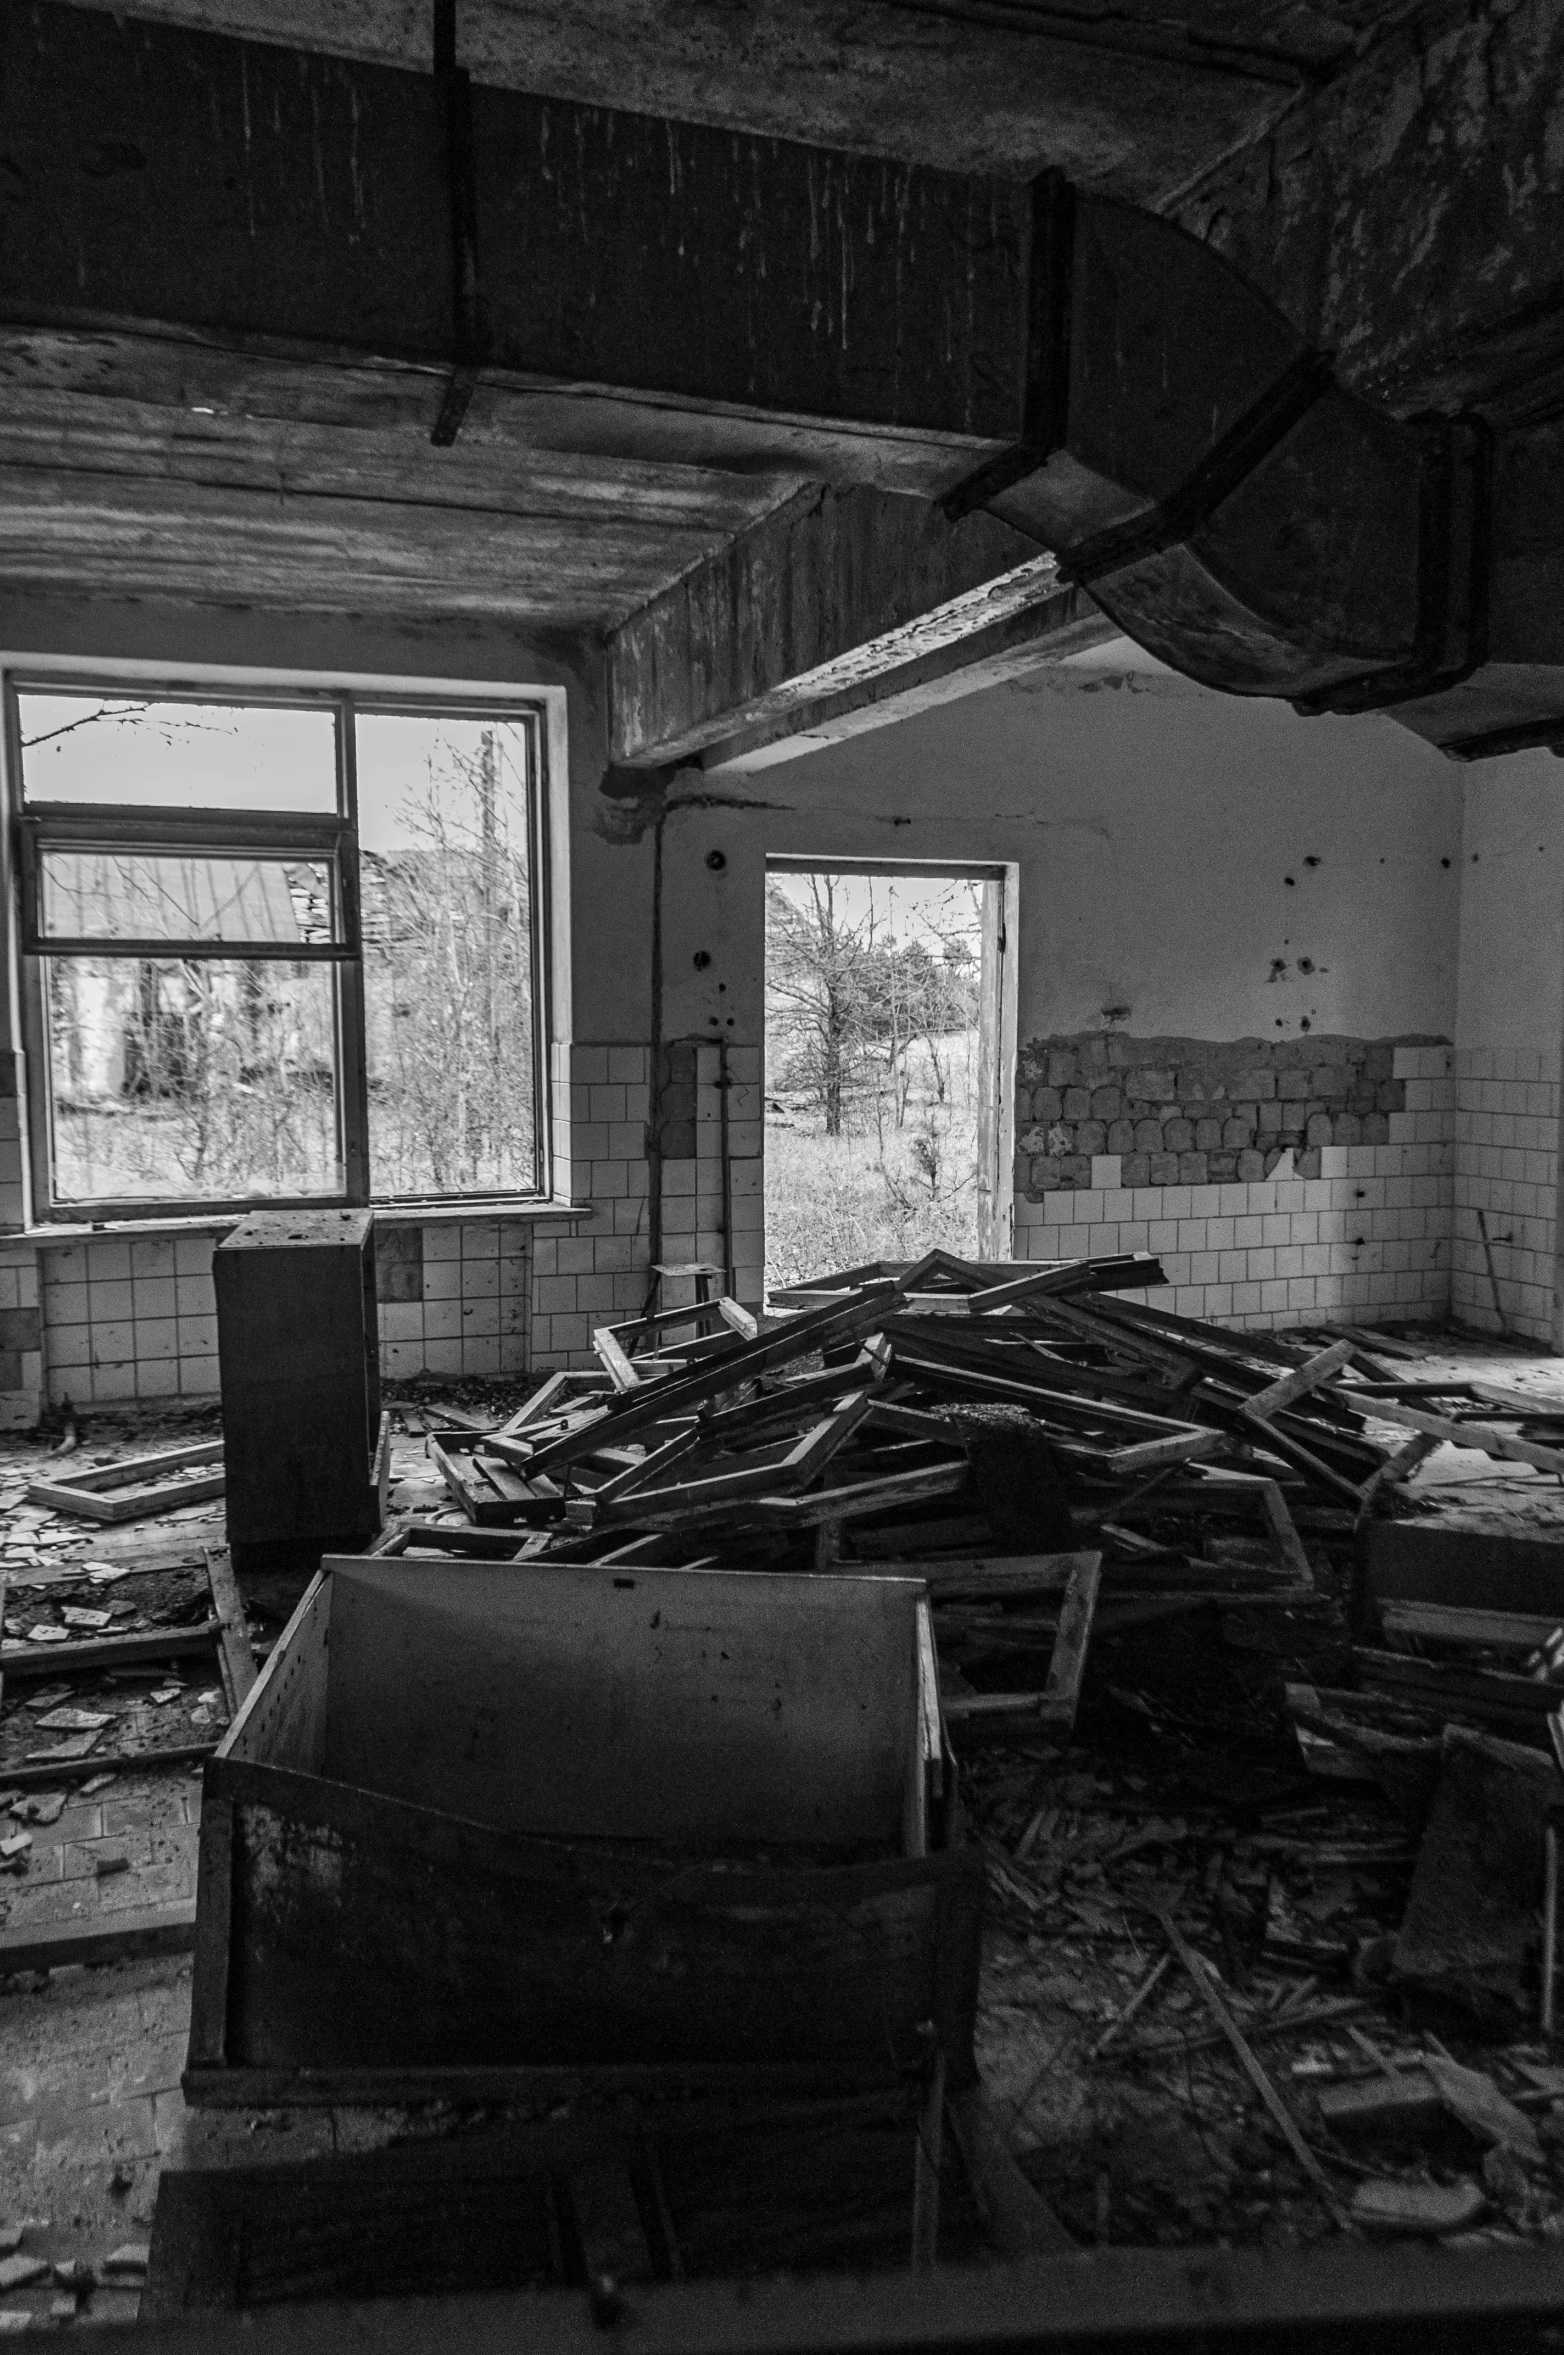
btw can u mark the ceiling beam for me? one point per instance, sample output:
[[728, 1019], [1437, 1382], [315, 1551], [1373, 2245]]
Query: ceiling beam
[[157, 177], [807, 619]]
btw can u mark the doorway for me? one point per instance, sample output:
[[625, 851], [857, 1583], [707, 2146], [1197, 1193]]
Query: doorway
[[887, 1127]]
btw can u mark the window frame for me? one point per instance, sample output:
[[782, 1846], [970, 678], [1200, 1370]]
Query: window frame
[[332, 836]]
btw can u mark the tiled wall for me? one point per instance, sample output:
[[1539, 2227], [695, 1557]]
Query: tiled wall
[[1506, 1165], [1370, 1233], [115, 1319], [599, 1269], [21, 1337], [129, 1319]]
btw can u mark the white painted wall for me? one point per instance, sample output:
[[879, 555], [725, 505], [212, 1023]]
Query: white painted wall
[[1155, 825]]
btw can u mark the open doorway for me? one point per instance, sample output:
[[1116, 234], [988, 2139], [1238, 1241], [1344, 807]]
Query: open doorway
[[886, 1074]]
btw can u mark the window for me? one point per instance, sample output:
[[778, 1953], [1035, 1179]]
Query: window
[[278, 949]]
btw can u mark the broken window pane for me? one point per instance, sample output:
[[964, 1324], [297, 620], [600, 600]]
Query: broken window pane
[[128, 749], [142, 895], [209, 1079], [444, 857]]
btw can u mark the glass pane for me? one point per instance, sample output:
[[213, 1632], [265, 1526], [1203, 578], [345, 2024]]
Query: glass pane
[[447, 953], [184, 756], [185, 1080], [142, 895]]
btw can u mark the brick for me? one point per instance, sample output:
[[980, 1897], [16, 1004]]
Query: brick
[[1376, 1128], [1307, 1165], [1077, 1104], [1294, 1085], [1150, 1084], [1163, 1170], [1208, 1134], [1107, 1103], [1222, 1168], [1178, 1135], [1135, 1170], [1379, 1063], [1148, 1136], [1060, 1069], [1047, 1104], [1346, 1129], [1075, 1169], [1319, 1129], [1238, 1132], [1256, 1084], [1330, 1079], [1121, 1136], [1091, 1137], [1043, 1173], [1193, 1169], [1391, 1096]]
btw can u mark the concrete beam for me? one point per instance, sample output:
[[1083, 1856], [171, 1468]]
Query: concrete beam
[[1063, 623], [156, 177], [813, 606]]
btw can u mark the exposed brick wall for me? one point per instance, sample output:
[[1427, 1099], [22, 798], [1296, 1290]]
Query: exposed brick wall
[[1368, 1235], [1196, 1112]]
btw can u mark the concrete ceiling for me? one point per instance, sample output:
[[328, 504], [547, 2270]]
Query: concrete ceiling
[[1137, 97], [726, 255]]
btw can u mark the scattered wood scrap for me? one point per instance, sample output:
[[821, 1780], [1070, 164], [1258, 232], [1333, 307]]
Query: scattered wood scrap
[[137, 1485]]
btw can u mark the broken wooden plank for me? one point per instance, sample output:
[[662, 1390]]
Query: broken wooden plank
[[1458, 1623], [1132, 1271], [1369, 2105], [1067, 1668], [963, 1708], [109, 1651], [1206, 1989], [1489, 1693], [1298, 1384], [73, 1770], [1487, 1440], [831, 1328], [89, 1493], [234, 1651], [1273, 1504], [986, 1577], [1149, 1455], [102, 1938], [616, 1361]]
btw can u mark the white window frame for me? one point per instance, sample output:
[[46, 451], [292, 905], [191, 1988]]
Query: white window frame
[[330, 835]]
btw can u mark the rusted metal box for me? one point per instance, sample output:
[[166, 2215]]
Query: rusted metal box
[[484, 1825]]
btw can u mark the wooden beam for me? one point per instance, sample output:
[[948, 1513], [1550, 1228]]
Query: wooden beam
[[816, 612]]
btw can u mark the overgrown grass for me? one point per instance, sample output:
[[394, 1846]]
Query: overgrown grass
[[879, 1192]]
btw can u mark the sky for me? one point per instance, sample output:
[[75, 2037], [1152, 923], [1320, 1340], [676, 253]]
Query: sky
[[907, 906], [258, 756]]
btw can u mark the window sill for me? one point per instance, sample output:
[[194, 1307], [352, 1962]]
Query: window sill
[[502, 1209]]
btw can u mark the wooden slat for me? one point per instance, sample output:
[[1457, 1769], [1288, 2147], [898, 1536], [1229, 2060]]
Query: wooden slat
[[1300, 1382], [233, 1629], [1455, 1623], [1482, 1436], [109, 1651], [1067, 1668], [105, 1937]]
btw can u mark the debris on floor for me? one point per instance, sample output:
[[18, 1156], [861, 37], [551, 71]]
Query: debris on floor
[[1249, 1684]]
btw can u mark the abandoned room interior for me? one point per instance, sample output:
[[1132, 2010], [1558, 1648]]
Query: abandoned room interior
[[781, 1350]]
